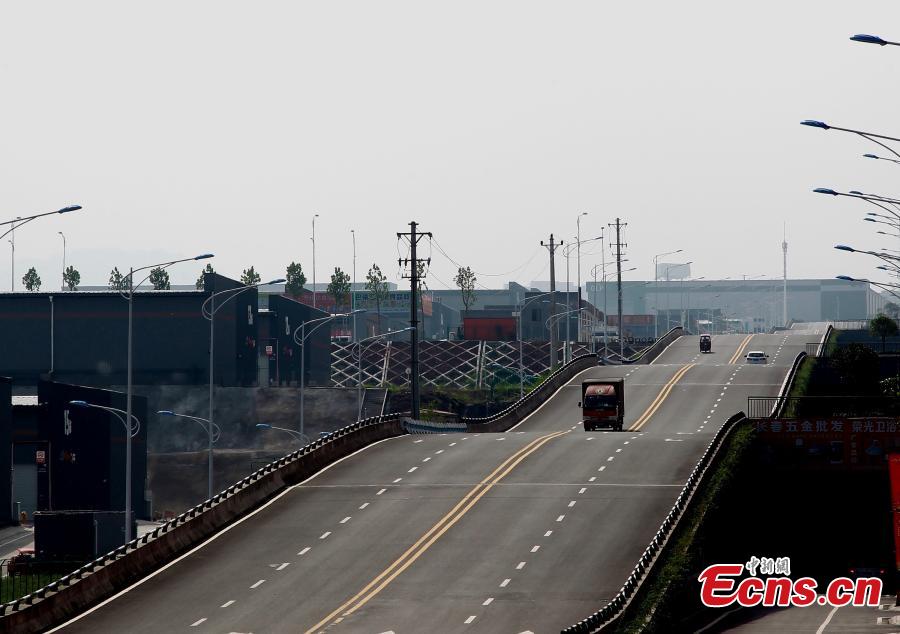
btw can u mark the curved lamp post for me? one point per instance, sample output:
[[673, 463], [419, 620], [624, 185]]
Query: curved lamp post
[[213, 431], [521, 364], [128, 294], [17, 223], [886, 287], [130, 431], [359, 352], [872, 39], [567, 252], [303, 334], [870, 136], [302, 438], [881, 158], [209, 309], [655, 288]]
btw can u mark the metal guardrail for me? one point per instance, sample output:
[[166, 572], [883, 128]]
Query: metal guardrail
[[20, 576]]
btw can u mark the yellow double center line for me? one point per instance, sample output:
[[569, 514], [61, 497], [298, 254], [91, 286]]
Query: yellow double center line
[[740, 350], [662, 396], [434, 533]]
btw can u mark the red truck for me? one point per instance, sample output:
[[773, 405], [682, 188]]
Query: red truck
[[603, 403]]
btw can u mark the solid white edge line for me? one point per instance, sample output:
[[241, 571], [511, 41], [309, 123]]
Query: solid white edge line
[[709, 625], [216, 535]]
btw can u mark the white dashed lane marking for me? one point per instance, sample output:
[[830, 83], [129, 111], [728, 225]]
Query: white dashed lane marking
[[227, 603], [470, 619], [534, 549], [257, 584], [365, 504], [380, 492], [282, 566], [488, 601], [560, 518], [505, 583], [325, 535], [304, 551], [548, 533], [520, 565], [196, 623], [345, 520]]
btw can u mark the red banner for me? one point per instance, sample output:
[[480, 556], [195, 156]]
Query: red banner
[[894, 468], [840, 442]]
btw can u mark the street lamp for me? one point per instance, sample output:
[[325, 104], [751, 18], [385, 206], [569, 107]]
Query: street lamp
[[578, 242], [301, 330], [871, 136], [886, 287], [359, 352], [668, 268], [314, 256], [209, 309], [353, 288], [521, 364], [656, 288], [213, 431], [881, 158], [605, 320], [17, 223], [131, 430], [130, 364], [63, 287], [567, 251], [872, 39], [303, 438]]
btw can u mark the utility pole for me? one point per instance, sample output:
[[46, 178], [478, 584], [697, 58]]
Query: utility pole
[[413, 276], [784, 290], [618, 245], [551, 247]]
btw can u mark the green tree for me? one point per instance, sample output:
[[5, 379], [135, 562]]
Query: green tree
[[71, 278], [892, 310], [208, 269], [858, 369], [884, 327], [250, 276], [465, 280], [32, 280], [295, 280], [339, 287], [117, 281], [159, 277], [376, 284]]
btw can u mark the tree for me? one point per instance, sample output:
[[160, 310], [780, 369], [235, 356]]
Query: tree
[[250, 276], [32, 280], [858, 369], [376, 284], [295, 280], [882, 326], [117, 281], [339, 287], [208, 269], [465, 280], [71, 278], [892, 310], [159, 277]]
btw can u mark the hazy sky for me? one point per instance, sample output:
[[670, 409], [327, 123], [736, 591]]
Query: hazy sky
[[186, 127]]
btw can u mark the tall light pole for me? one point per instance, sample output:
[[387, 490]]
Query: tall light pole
[[12, 256], [63, 287], [668, 268], [314, 257], [521, 364], [303, 334], [353, 289], [132, 428], [18, 222], [209, 309], [359, 351], [578, 240], [213, 431], [567, 251], [130, 387], [656, 289]]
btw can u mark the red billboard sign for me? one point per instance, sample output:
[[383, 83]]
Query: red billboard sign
[[847, 442]]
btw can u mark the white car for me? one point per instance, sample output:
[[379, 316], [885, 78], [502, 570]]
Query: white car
[[757, 356]]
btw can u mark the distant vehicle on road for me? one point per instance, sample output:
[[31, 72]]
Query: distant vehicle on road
[[757, 356], [21, 562], [705, 343], [602, 403]]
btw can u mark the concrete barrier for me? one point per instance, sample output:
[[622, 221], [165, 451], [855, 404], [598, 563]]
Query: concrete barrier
[[503, 420], [115, 571]]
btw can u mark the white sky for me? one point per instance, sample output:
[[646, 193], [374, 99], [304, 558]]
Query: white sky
[[186, 127]]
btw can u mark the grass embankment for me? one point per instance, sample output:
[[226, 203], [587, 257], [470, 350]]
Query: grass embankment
[[671, 594]]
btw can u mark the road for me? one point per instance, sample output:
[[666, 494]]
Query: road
[[814, 619], [529, 530]]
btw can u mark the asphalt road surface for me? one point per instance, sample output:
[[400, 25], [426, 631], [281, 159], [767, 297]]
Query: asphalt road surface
[[529, 530]]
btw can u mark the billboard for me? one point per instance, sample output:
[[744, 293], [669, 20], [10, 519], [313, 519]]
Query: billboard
[[836, 442], [673, 270]]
